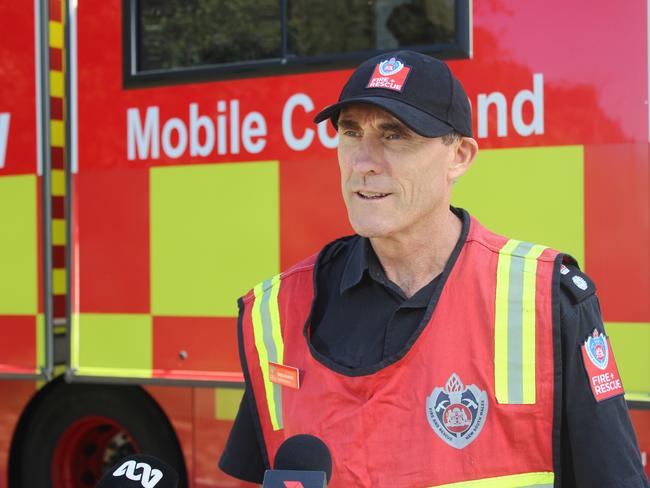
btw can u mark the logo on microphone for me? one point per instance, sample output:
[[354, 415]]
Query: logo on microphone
[[139, 471], [293, 484], [457, 412]]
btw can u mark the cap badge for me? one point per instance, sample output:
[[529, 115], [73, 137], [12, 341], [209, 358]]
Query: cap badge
[[390, 67], [390, 74], [457, 412]]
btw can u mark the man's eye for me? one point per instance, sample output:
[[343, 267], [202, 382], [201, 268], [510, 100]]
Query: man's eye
[[393, 136], [351, 133]]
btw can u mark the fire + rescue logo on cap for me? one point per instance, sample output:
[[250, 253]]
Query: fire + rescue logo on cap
[[390, 74], [390, 67], [457, 412]]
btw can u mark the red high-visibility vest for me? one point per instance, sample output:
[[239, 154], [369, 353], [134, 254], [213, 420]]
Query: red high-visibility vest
[[471, 402]]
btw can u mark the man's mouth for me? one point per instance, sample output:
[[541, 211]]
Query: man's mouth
[[371, 195]]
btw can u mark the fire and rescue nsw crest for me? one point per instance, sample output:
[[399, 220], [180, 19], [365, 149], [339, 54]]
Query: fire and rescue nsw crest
[[457, 412], [597, 349]]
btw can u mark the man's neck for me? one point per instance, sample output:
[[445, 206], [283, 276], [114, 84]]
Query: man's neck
[[413, 261]]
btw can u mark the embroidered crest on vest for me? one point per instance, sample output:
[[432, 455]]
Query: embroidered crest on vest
[[457, 412]]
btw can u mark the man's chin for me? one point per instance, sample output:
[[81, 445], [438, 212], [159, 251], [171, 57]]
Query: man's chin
[[371, 231]]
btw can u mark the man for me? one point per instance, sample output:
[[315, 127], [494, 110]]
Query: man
[[426, 350]]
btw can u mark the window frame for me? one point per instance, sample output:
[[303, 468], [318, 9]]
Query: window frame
[[461, 48]]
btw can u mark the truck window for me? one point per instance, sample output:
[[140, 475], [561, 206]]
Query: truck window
[[183, 40], [317, 28], [182, 34]]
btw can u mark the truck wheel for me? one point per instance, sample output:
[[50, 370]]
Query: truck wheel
[[76, 432]]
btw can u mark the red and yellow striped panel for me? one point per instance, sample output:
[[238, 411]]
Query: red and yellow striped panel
[[57, 154]]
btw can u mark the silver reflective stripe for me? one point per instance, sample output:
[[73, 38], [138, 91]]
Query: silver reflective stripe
[[267, 327], [515, 323]]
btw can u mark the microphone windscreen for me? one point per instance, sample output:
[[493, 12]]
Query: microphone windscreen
[[304, 452], [140, 471]]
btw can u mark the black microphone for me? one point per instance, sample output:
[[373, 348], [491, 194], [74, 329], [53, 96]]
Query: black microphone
[[302, 461], [140, 471]]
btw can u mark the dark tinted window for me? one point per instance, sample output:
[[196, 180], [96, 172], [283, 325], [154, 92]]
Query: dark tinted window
[[186, 33], [343, 26], [193, 40]]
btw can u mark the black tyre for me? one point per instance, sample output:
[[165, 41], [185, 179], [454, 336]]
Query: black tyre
[[72, 434]]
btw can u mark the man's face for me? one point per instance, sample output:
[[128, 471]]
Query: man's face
[[394, 181]]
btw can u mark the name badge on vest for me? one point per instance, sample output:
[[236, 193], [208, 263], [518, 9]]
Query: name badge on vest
[[284, 375], [601, 368]]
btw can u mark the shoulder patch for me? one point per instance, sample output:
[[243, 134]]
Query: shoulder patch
[[600, 366], [573, 281]]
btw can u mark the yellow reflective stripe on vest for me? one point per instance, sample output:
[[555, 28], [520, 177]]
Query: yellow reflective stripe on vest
[[268, 341], [524, 480], [514, 323]]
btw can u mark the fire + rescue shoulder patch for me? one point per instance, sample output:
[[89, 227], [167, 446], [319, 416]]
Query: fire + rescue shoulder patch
[[602, 373], [390, 74], [457, 412]]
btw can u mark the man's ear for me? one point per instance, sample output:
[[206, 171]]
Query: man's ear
[[466, 151]]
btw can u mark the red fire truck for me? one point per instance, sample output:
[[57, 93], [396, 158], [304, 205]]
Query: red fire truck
[[157, 159]]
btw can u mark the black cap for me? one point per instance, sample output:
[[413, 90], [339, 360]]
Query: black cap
[[140, 471], [419, 90]]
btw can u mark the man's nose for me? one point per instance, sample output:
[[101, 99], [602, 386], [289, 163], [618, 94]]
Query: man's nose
[[367, 157]]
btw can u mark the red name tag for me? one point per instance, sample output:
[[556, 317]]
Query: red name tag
[[284, 375], [601, 368]]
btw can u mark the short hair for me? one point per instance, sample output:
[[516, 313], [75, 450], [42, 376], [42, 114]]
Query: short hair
[[451, 137]]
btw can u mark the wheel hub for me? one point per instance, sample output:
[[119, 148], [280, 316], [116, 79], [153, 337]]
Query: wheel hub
[[87, 449]]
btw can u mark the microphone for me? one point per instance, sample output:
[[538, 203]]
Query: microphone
[[140, 471], [302, 461]]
